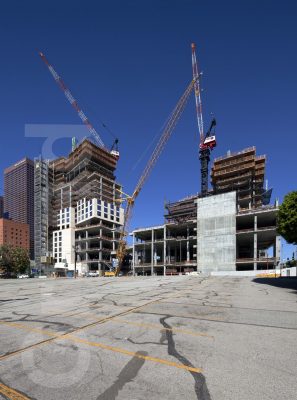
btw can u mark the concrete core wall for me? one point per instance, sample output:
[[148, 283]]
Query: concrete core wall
[[216, 233]]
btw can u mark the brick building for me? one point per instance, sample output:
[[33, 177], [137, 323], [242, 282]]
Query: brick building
[[14, 233]]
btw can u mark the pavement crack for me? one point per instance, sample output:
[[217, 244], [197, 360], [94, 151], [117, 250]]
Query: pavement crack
[[201, 389]]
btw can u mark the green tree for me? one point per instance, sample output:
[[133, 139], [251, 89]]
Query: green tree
[[21, 260], [13, 260], [6, 263], [287, 218]]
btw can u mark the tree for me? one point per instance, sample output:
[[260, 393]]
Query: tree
[[287, 218], [21, 260], [6, 264], [13, 260]]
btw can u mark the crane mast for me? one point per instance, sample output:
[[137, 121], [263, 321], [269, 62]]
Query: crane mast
[[208, 140], [167, 132], [77, 108]]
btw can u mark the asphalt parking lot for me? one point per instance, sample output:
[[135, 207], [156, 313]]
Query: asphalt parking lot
[[148, 338]]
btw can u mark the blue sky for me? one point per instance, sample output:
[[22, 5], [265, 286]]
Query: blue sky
[[127, 62]]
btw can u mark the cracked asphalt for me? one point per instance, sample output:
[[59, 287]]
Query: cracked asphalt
[[138, 338]]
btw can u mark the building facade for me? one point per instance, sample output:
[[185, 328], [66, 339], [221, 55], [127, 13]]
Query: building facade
[[14, 233], [1, 206], [79, 209], [19, 195]]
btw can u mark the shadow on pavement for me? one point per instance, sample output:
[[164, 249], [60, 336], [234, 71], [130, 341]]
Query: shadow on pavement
[[287, 283]]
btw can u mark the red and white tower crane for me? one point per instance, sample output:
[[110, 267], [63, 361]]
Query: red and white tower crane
[[208, 140], [114, 150]]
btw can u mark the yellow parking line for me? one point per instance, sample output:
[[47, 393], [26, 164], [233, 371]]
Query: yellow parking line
[[11, 394], [29, 329], [156, 326], [71, 338], [133, 354], [200, 317], [92, 316]]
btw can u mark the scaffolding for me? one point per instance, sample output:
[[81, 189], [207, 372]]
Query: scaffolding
[[41, 210], [242, 172]]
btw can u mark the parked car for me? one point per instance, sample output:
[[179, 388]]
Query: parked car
[[23, 276], [92, 274]]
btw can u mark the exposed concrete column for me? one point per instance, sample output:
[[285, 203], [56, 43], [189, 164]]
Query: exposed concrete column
[[113, 238], [87, 243], [255, 241], [188, 245], [100, 259], [277, 248], [164, 251], [133, 254], [152, 254]]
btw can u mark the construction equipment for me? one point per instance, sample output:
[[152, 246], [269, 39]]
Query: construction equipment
[[170, 125], [208, 140], [77, 108]]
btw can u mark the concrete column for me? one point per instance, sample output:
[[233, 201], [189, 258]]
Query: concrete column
[[164, 251], [255, 241], [113, 238], [87, 243], [277, 248], [255, 250], [188, 245], [152, 254]]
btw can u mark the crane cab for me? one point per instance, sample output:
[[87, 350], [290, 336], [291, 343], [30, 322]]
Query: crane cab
[[115, 153], [210, 141]]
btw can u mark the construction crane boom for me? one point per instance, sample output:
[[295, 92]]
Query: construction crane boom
[[167, 132], [208, 140], [197, 91], [73, 101]]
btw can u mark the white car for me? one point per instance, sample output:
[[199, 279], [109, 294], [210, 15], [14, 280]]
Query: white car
[[93, 274], [23, 276]]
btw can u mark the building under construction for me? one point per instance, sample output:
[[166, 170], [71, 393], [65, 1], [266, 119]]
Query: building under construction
[[77, 204], [242, 172], [231, 229]]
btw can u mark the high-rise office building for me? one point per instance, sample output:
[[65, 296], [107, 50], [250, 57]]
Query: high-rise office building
[[19, 195], [1, 206]]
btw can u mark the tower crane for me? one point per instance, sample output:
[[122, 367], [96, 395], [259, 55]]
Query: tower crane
[[114, 149], [167, 132], [208, 140]]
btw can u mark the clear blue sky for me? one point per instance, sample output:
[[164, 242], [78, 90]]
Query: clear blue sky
[[127, 62]]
